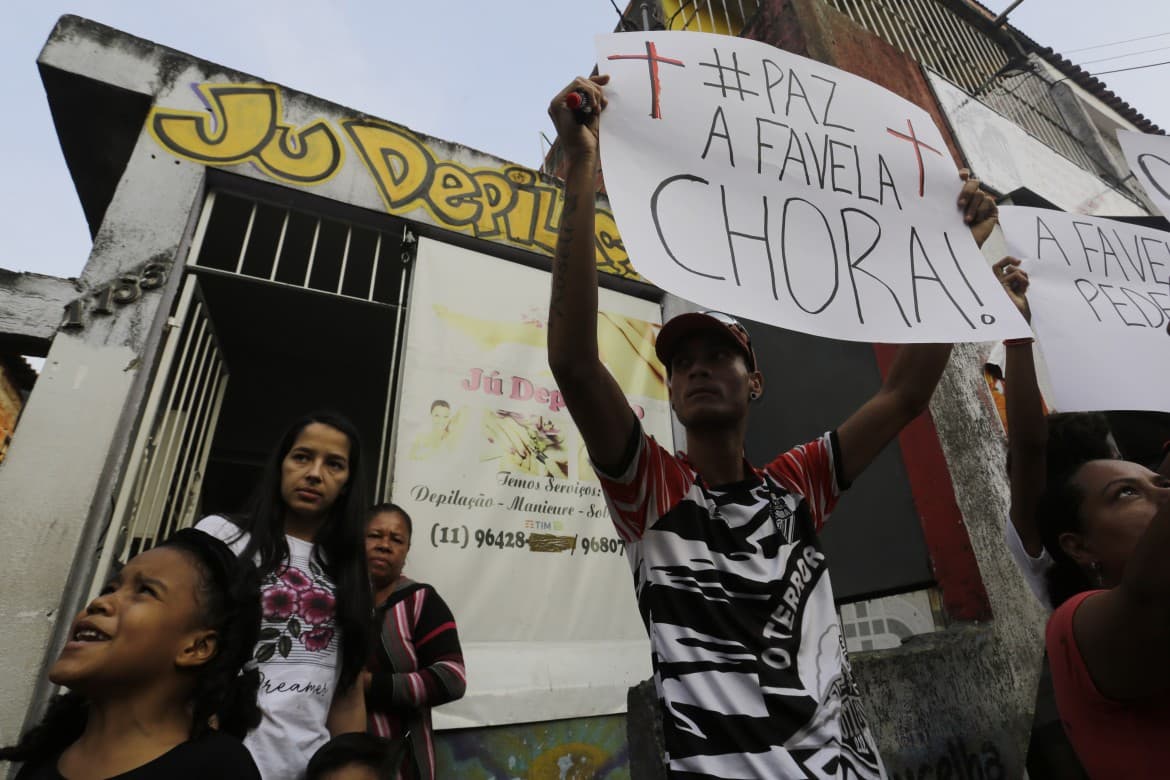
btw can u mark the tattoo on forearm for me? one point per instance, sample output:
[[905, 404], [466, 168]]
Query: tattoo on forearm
[[561, 260]]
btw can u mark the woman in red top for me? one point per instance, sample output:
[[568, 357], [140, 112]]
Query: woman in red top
[[1107, 526]]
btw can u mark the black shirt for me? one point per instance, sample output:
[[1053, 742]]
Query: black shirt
[[213, 755]]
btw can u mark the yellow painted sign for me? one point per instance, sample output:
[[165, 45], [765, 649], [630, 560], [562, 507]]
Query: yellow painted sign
[[245, 125], [509, 204]]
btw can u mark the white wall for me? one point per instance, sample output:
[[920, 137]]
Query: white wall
[[1006, 157]]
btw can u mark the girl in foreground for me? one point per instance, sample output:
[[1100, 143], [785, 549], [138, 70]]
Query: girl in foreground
[[305, 529], [152, 663]]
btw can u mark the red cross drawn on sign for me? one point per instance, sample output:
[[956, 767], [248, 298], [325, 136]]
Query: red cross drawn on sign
[[652, 59], [918, 147]]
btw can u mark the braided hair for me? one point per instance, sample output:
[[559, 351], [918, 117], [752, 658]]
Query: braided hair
[[224, 694], [229, 600]]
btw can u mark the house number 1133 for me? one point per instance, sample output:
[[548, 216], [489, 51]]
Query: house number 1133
[[126, 289]]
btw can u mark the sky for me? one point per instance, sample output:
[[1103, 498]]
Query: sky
[[476, 73]]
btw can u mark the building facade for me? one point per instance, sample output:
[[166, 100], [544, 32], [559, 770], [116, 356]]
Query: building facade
[[231, 216]]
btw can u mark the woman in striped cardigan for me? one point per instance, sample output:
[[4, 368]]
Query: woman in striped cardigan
[[416, 662]]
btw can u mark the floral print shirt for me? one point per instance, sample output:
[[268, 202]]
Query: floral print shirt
[[297, 656]]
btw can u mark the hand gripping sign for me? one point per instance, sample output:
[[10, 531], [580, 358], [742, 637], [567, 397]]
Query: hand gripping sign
[[1100, 298], [752, 180]]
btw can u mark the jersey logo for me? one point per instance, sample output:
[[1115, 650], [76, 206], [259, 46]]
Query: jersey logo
[[782, 515]]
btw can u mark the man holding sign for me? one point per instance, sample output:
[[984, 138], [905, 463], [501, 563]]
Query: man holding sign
[[733, 588]]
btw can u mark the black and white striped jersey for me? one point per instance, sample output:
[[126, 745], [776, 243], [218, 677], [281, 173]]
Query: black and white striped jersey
[[734, 591]]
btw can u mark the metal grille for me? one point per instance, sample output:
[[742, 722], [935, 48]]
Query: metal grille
[[938, 38], [283, 246], [385, 454], [729, 17], [168, 461], [294, 248], [1025, 98]]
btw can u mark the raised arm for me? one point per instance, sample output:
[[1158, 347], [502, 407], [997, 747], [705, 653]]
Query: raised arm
[[592, 395], [904, 395], [1026, 423], [916, 369]]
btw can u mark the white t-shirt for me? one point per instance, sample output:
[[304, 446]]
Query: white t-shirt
[[1033, 569], [297, 653]]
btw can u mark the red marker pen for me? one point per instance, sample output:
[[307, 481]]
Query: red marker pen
[[580, 104]]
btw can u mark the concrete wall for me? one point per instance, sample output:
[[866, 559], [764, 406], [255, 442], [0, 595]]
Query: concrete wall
[[58, 478], [1006, 157], [973, 685], [31, 306], [65, 461]]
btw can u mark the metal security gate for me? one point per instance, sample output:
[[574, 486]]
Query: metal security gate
[[167, 462], [367, 262]]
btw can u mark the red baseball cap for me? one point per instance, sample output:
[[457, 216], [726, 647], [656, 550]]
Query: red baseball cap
[[682, 327]]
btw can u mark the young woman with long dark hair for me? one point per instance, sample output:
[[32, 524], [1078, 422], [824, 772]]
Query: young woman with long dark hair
[[305, 529], [158, 673]]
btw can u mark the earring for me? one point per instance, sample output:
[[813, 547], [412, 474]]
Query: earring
[[1095, 567], [755, 396]]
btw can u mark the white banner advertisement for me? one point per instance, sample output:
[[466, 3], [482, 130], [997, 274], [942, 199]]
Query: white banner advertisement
[[758, 182], [509, 522], [1100, 299], [1149, 160]]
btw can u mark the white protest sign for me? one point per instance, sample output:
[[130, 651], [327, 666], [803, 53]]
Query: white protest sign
[[1149, 160], [1100, 299], [758, 182]]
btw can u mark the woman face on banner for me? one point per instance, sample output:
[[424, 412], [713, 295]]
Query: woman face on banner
[[387, 543], [440, 418]]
